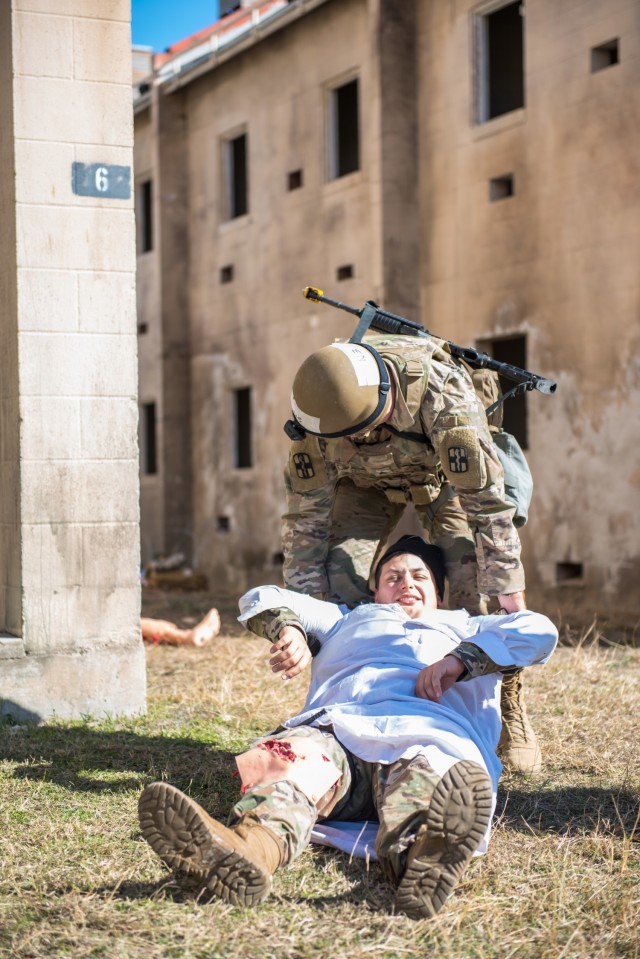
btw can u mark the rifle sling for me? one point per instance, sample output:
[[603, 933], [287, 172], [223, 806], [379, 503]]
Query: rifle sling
[[415, 437]]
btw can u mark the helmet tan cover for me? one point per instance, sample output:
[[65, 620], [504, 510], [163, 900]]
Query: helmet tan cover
[[340, 390]]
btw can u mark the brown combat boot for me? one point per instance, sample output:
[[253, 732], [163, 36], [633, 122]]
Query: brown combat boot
[[518, 747], [456, 821], [236, 864]]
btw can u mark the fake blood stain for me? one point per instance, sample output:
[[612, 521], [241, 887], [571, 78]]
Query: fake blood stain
[[282, 749]]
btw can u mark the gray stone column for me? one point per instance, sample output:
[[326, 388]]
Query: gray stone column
[[69, 534]]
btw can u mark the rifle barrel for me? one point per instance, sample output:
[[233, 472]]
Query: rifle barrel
[[392, 323]]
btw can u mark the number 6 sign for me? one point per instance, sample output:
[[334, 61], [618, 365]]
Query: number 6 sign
[[101, 179]]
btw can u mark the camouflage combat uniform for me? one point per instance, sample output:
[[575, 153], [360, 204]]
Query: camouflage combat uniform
[[344, 495], [397, 795]]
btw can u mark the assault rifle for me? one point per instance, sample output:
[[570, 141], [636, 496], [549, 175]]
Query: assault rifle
[[372, 316]]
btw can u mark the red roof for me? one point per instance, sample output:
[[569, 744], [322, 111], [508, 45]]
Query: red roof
[[232, 20]]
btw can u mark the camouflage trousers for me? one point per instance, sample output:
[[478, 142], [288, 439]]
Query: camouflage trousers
[[361, 523], [398, 795]]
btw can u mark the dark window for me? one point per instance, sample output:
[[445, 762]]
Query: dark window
[[566, 572], [226, 274], [606, 55], [501, 187], [512, 350], [148, 449], [144, 217], [501, 57], [243, 428], [236, 176], [294, 180], [224, 524], [344, 272], [344, 130]]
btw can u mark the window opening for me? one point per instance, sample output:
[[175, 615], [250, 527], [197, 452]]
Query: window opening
[[236, 176], [501, 61], [605, 55], [501, 187], [144, 217], [511, 350], [224, 524], [295, 180], [566, 572], [345, 272], [226, 274], [242, 443], [148, 439], [344, 130]]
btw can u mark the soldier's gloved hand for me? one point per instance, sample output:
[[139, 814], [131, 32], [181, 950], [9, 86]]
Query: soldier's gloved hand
[[435, 680], [512, 602], [290, 653]]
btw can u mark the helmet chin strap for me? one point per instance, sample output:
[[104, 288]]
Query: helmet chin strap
[[386, 411]]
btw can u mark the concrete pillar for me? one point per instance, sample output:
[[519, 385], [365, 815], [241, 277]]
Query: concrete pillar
[[394, 159], [69, 536], [172, 166]]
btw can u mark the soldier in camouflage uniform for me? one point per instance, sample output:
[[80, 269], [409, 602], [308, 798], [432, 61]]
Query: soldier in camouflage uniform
[[391, 421], [400, 724]]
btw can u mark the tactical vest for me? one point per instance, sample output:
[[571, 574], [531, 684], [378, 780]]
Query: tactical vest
[[404, 464]]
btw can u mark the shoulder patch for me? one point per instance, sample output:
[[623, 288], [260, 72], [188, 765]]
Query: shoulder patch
[[461, 458], [307, 470]]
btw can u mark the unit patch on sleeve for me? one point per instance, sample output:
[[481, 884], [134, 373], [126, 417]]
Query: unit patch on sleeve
[[307, 468], [458, 459], [462, 458], [303, 465]]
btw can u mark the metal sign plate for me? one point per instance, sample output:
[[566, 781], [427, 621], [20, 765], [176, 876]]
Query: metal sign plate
[[101, 179]]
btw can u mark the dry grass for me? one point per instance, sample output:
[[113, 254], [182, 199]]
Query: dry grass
[[561, 879]]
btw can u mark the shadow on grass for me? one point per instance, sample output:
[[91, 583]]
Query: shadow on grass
[[368, 888], [74, 757], [570, 810], [82, 759]]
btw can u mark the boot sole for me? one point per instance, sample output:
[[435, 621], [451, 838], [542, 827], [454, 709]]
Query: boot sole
[[456, 821], [179, 831]]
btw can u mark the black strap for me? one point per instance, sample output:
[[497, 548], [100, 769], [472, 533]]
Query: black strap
[[415, 437]]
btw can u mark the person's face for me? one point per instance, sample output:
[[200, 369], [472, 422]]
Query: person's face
[[406, 580]]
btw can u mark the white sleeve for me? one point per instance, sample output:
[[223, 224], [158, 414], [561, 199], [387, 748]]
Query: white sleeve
[[315, 615], [520, 639]]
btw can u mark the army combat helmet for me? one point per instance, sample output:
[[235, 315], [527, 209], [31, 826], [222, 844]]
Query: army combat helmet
[[340, 390]]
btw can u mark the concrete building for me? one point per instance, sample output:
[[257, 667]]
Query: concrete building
[[70, 641], [471, 165]]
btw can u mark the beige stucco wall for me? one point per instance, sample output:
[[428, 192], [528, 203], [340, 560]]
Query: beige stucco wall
[[558, 262], [70, 534], [256, 330], [148, 294]]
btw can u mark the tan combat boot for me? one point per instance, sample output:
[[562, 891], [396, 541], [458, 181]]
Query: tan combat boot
[[518, 747], [234, 863], [456, 821]]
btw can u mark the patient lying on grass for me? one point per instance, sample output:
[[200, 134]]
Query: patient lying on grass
[[400, 724]]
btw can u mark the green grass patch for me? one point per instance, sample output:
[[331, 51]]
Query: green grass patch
[[561, 878]]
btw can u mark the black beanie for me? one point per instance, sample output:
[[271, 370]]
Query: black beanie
[[431, 556]]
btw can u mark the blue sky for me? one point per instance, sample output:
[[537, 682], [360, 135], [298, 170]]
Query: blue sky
[[159, 23]]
